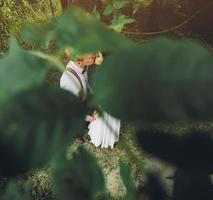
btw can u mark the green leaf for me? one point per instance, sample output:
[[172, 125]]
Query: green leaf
[[192, 185], [36, 126], [20, 70], [154, 188], [183, 152], [13, 191], [119, 22], [125, 172], [80, 178], [83, 33], [38, 33], [86, 34], [108, 10], [96, 14], [118, 4], [160, 80]]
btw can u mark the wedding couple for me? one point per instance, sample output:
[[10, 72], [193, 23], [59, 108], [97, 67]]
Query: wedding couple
[[103, 129]]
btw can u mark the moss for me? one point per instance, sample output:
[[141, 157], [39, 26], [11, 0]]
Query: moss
[[42, 184]]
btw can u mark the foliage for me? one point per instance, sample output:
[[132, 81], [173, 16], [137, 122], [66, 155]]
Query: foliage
[[119, 20], [13, 192], [14, 14], [182, 151], [16, 64], [36, 127], [96, 13], [80, 178], [125, 171], [175, 73], [161, 80], [93, 37], [191, 180]]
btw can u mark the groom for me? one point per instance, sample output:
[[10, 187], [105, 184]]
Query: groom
[[75, 79]]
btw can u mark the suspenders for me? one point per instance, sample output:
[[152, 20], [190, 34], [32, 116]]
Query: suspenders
[[82, 92]]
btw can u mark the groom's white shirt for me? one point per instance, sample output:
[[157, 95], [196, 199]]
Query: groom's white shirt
[[70, 83]]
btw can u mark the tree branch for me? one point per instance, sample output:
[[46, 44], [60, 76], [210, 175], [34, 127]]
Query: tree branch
[[198, 12]]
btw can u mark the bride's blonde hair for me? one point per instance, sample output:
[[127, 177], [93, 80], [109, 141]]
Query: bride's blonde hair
[[66, 56]]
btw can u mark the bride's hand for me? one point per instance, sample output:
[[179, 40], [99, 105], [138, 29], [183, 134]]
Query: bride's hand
[[95, 114], [99, 58], [92, 118]]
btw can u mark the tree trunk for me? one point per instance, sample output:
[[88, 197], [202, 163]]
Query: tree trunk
[[64, 4], [155, 14], [52, 9]]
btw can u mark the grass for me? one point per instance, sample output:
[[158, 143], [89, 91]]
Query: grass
[[109, 158], [109, 161]]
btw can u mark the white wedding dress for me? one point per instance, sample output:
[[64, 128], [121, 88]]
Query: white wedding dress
[[101, 134]]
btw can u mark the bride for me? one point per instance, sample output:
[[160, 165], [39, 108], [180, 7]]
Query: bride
[[104, 130]]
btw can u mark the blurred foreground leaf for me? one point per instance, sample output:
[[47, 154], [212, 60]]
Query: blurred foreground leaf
[[154, 188], [14, 192], [192, 185], [20, 70], [160, 80], [77, 29], [80, 178], [125, 172], [36, 126], [38, 33], [192, 152]]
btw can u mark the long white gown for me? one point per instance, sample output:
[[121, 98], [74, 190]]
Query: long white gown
[[101, 134]]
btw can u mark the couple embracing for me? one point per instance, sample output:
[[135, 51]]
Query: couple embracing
[[103, 129]]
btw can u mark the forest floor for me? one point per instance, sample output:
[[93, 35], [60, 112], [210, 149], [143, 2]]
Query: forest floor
[[109, 158]]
